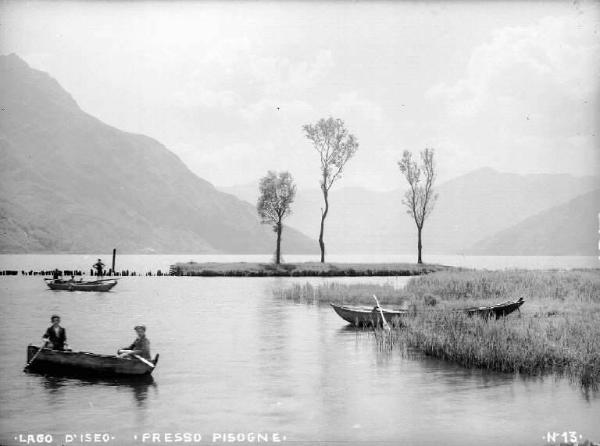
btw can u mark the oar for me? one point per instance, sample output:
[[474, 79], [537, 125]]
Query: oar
[[385, 324], [35, 356], [145, 361]]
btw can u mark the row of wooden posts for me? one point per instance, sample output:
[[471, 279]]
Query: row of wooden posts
[[68, 273]]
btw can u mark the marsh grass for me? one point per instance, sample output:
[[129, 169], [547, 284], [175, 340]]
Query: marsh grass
[[360, 293], [564, 345], [557, 330], [309, 269]]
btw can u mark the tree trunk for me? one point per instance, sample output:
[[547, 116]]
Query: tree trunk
[[278, 251], [419, 246], [323, 216]]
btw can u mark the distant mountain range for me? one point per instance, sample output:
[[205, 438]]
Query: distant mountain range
[[471, 210], [71, 184], [570, 228]]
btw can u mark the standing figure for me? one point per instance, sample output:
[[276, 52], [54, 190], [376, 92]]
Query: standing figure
[[55, 336], [99, 266]]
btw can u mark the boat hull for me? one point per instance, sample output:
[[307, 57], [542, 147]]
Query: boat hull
[[80, 286], [496, 311], [86, 364], [368, 317]]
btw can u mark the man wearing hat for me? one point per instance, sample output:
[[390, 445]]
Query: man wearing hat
[[140, 347], [56, 336]]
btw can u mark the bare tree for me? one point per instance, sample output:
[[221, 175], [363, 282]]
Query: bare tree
[[335, 146], [277, 193], [420, 198]]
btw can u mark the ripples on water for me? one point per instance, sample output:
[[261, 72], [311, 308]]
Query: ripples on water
[[234, 358]]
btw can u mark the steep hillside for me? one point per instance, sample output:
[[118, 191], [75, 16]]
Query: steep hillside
[[70, 183], [570, 228]]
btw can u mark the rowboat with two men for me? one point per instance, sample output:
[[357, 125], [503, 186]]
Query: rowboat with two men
[[76, 285], [61, 362]]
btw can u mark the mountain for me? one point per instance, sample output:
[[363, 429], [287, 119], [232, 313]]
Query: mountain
[[470, 208], [71, 184], [571, 228], [484, 202]]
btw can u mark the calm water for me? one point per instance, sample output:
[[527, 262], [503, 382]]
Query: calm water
[[144, 263], [236, 359]]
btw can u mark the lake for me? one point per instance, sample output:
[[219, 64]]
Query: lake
[[236, 359], [150, 262]]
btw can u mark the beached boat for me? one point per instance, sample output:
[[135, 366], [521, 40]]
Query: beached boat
[[73, 285], [86, 364], [368, 316], [371, 316], [496, 311]]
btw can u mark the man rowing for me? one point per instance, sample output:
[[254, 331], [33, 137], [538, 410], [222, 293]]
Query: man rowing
[[55, 336], [139, 347]]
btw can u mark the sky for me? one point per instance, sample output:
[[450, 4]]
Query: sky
[[228, 86]]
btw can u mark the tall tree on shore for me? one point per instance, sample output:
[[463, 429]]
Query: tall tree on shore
[[420, 198], [276, 195], [335, 146]]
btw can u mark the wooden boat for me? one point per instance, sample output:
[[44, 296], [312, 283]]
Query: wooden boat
[[71, 285], [368, 316], [371, 316], [497, 310], [87, 364]]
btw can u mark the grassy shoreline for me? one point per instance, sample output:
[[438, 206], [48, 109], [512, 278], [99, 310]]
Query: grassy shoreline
[[308, 269], [557, 331]]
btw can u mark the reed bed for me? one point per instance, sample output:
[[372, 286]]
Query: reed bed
[[360, 293], [557, 330], [309, 269], [565, 345], [576, 285]]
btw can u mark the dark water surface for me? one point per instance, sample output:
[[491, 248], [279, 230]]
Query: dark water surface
[[236, 359]]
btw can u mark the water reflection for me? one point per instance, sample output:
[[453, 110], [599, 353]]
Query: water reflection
[[53, 384], [140, 391], [349, 328], [56, 386], [242, 360], [589, 394]]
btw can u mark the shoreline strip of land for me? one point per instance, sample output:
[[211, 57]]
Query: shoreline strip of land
[[304, 269]]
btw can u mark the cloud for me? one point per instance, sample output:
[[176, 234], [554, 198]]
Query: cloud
[[204, 97], [351, 106], [251, 86], [555, 58], [284, 76], [287, 112], [229, 87], [529, 96]]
